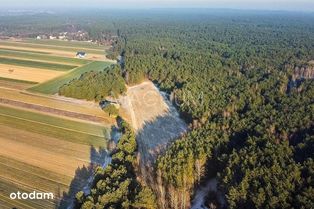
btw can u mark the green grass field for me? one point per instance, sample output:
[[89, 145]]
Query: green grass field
[[60, 128], [52, 86], [34, 46], [42, 57], [35, 64]]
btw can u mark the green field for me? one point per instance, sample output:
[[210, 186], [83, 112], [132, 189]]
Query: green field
[[60, 128], [86, 45], [35, 64], [42, 57], [52, 47], [52, 86]]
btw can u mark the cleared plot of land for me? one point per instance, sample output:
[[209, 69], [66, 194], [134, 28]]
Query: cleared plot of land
[[42, 57], [36, 64], [52, 86], [143, 103], [155, 120], [27, 73]]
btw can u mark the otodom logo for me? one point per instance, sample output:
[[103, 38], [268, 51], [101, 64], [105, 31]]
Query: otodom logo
[[31, 196]]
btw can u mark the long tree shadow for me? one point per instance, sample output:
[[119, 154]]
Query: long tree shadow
[[84, 176]]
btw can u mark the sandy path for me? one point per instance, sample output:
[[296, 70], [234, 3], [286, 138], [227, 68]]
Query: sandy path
[[27, 73]]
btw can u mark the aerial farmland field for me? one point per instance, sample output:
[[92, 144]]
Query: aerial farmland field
[[49, 139]]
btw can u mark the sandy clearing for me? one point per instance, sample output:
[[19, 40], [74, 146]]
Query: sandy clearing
[[143, 104], [27, 73], [155, 120], [90, 56], [77, 106]]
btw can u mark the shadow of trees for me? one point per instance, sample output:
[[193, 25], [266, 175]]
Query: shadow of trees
[[157, 134], [83, 176]]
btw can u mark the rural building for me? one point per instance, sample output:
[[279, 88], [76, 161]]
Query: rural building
[[80, 54], [105, 103]]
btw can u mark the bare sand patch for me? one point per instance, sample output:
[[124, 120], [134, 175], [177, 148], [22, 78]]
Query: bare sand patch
[[27, 73], [143, 103]]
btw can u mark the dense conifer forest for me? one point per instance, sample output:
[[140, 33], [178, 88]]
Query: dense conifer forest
[[242, 80], [236, 79]]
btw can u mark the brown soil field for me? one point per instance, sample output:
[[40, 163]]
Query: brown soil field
[[27, 73], [90, 109], [142, 103]]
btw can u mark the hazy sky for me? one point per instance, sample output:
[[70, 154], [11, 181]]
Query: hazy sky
[[307, 5]]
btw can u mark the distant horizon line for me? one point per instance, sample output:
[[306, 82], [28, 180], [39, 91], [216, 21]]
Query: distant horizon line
[[54, 8]]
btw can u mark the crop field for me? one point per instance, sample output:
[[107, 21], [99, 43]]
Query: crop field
[[87, 45], [27, 73], [37, 162], [47, 140], [55, 48], [36, 64], [52, 86], [50, 47], [15, 84], [42, 57]]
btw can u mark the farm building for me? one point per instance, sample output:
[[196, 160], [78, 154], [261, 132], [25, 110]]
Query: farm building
[[80, 54], [105, 103]]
